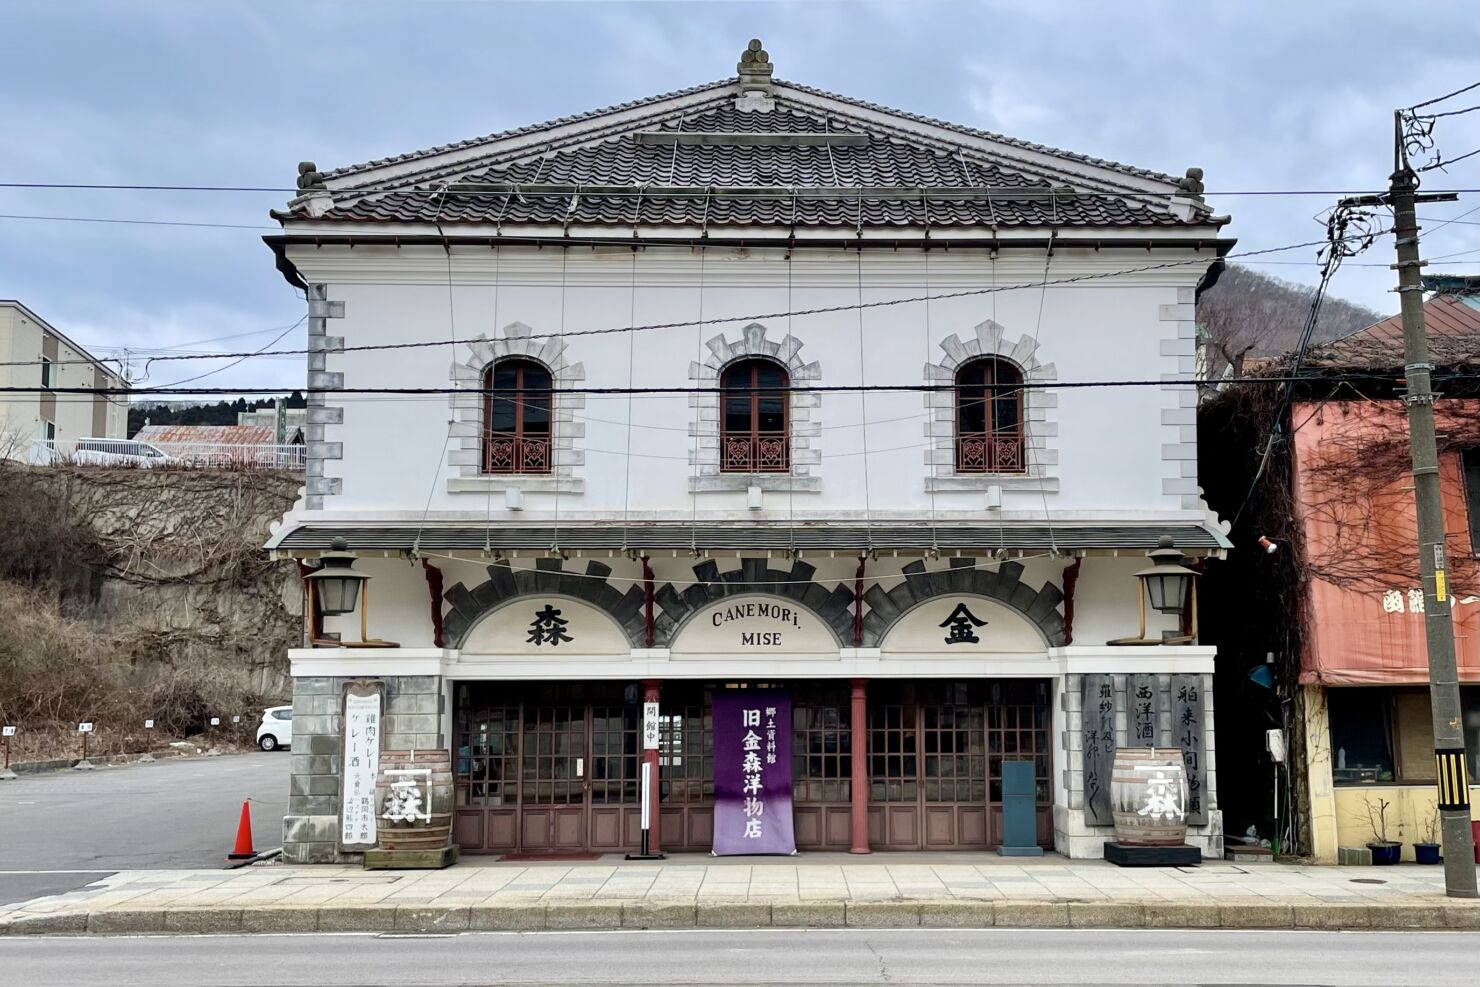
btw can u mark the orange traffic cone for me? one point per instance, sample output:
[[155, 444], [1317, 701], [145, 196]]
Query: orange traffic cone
[[243, 849]]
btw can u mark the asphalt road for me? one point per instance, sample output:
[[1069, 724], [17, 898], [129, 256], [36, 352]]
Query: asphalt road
[[898, 956], [68, 828]]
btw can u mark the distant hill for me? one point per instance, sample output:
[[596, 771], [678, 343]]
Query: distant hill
[[1247, 316]]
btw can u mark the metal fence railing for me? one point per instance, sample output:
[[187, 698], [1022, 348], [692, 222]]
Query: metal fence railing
[[147, 455]]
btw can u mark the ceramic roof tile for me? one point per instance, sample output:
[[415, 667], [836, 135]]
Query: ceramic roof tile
[[1453, 325], [888, 159]]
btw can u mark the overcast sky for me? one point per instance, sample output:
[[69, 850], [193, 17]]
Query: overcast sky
[[1262, 95]]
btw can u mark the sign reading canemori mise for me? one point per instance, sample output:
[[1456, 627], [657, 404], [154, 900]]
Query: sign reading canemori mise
[[752, 773], [757, 614], [754, 625]]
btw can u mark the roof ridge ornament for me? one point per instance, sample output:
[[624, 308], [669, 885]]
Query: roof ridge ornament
[[313, 193], [1192, 186], [754, 71]]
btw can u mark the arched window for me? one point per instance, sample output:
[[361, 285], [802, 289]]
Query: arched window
[[753, 434], [989, 417], [516, 417]]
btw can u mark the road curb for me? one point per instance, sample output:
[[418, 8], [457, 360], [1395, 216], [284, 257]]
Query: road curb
[[934, 914], [95, 761]]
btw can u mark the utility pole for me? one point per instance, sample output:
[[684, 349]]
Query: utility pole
[[1449, 743]]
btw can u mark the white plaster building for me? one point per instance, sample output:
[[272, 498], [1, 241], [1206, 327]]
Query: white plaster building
[[752, 383]]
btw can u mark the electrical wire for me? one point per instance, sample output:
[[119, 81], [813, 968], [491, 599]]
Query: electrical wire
[[826, 310], [678, 391], [1440, 99], [516, 190], [138, 222], [234, 363]]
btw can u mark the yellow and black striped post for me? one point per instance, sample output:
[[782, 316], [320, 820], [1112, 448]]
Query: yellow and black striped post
[[1454, 783]]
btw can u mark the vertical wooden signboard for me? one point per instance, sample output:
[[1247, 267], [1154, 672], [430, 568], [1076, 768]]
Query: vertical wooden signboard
[[1098, 747], [1144, 701], [1187, 733]]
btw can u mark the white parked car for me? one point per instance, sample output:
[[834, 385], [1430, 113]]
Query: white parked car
[[121, 452], [276, 729]]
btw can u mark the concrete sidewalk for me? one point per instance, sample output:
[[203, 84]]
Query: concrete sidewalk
[[956, 890]]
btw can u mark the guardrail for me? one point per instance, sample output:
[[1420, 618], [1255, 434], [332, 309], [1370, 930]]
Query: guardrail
[[148, 455]]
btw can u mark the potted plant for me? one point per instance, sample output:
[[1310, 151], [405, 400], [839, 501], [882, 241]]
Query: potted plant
[[1427, 852], [1384, 850]]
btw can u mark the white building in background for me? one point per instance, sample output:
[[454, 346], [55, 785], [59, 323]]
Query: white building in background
[[33, 354], [751, 383]]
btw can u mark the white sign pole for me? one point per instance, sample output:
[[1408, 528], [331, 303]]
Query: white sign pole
[[647, 803], [649, 743]]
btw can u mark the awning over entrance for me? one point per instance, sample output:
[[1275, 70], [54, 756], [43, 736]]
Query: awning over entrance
[[770, 536]]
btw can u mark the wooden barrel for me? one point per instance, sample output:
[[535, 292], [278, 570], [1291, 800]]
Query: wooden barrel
[[412, 786], [1148, 796]]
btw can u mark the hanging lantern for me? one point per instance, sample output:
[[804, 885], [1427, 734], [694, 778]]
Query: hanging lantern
[[336, 586], [1170, 587], [1168, 582]]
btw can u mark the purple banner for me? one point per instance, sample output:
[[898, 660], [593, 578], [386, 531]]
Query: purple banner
[[752, 773]]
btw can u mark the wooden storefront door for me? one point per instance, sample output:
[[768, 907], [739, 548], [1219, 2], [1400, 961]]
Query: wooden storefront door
[[547, 769], [552, 781], [822, 765], [935, 760]]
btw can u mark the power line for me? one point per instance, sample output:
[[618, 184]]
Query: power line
[[825, 310], [1442, 163], [1440, 99], [443, 190], [228, 366], [1452, 113], [137, 222], [676, 391]]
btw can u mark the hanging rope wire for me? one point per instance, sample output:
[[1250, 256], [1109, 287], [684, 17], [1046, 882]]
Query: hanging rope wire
[[555, 439], [791, 473], [934, 466], [863, 415], [631, 357], [996, 329], [883, 577], [1028, 453], [447, 436], [485, 425], [698, 424]]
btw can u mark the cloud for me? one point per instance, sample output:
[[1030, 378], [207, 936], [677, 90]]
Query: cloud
[[1262, 95]]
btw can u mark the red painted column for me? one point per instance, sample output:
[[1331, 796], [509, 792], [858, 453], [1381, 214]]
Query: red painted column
[[858, 720], [651, 689]]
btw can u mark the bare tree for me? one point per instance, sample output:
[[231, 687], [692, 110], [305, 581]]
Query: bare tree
[[1248, 316]]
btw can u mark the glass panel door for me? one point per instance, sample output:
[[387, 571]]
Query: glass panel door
[[554, 755]]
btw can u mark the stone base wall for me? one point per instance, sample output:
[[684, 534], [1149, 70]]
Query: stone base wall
[[1073, 837], [412, 719]]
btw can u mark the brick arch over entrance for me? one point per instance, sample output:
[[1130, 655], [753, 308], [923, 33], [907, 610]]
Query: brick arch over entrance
[[1005, 585], [548, 578], [833, 607]]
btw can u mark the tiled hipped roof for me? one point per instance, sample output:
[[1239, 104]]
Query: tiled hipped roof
[[1451, 321], [882, 163], [790, 163]]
